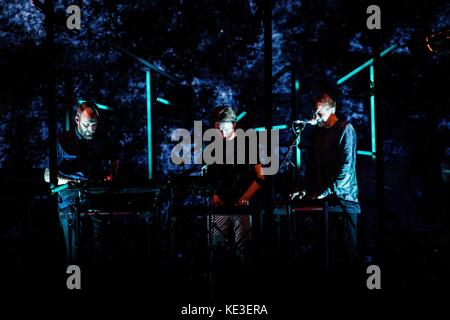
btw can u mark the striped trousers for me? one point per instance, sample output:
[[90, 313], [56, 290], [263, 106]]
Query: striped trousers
[[230, 232]]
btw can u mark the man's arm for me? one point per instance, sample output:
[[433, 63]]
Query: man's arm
[[59, 158], [254, 186], [347, 149], [61, 178]]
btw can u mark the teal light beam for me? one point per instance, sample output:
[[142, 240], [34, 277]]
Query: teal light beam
[[100, 106], [279, 127], [365, 65], [59, 188], [297, 85], [149, 123], [163, 101], [68, 114], [298, 153], [372, 112], [364, 153], [239, 117]]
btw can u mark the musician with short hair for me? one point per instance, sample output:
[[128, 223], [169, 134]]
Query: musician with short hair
[[235, 186], [81, 156], [331, 167]]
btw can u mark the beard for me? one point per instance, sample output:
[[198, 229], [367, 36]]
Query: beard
[[89, 137], [86, 135]]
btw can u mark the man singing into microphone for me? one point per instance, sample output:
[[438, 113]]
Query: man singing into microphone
[[330, 169]]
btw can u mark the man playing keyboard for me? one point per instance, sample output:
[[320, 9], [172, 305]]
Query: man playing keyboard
[[81, 156], [330, 170]]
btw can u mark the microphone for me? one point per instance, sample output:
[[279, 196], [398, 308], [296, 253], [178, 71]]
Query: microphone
[[312, 122]]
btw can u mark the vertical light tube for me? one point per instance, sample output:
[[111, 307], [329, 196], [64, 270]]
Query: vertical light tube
[[68, 114], [149, 124], [298, 153], [372, 113]]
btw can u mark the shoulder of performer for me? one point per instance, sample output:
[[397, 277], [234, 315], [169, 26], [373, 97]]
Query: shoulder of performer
[[66, 138], [347, 125]]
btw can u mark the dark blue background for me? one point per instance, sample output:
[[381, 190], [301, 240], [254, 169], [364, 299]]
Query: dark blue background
[[216, 48]]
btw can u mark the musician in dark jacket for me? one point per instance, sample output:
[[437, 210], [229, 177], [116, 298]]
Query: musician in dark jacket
[[330, 170]]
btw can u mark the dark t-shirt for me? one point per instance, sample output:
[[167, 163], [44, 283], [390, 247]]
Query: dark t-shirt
[[232, 180], [83, 159]]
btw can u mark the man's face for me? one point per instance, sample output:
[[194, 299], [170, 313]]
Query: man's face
[[87, 124], [226, 128], [323, 111]]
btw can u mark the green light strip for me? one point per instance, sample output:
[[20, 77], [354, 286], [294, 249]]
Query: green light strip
[[59, 188], [163, 101], [68, 113], [239, 117], [351, 74], [372, 112], [365, 153], [279, 127], [100, 106], [385, 52], [365, 65], [149, 124], [298, 153], [103, 107]]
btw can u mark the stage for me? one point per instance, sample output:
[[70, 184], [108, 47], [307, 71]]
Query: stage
[[225, 158]]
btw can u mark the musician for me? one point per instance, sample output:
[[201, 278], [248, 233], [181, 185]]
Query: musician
[[330, 170], [236, 186], [81, 156]]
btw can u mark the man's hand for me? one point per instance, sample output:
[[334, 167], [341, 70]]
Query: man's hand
[[297, 195], [242, 202], [47, 175], [320, 195], [61, 180]]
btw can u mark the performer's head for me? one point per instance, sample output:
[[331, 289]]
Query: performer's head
[[86, 120], [224, 119], [325, 110]]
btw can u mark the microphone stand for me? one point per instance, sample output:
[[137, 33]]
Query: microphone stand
[[297, 133]]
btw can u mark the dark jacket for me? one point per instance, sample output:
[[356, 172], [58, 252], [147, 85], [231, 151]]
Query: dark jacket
[[331, 162]]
